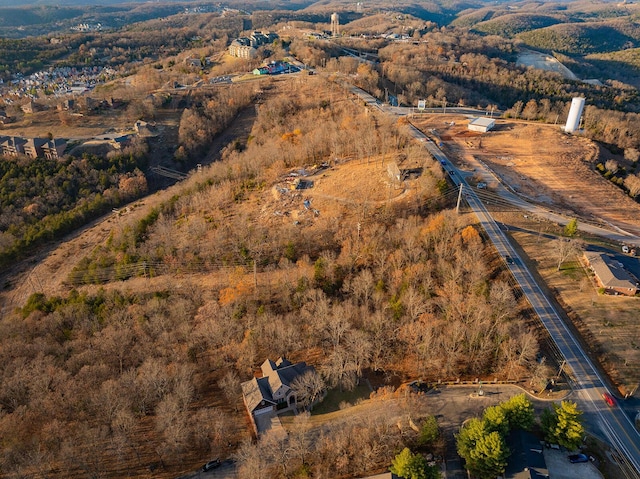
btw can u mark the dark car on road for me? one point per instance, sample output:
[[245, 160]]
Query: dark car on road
[[211, 465], [508, 259], [575, 458]]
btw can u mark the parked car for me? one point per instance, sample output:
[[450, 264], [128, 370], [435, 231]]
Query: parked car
[[575, 458], [608, 398], [211, 465]]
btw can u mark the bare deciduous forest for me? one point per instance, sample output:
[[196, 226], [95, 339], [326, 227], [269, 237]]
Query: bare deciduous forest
[[135, 370], [107, 382]]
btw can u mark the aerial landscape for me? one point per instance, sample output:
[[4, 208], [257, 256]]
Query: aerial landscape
[[320, 239]]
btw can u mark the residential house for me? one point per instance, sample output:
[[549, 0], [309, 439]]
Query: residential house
[[13, 146], [527, 458], [29, 107], [272, 392], [142, 128], [4, 119], [33, 147], [611, 274], [54, 149], [193, 62], [119, 142], [66, 105]]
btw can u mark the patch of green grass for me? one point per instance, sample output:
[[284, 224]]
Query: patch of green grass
[[573, 269], [334, 397]]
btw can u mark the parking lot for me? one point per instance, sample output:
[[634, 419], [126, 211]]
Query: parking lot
[[560, 468]]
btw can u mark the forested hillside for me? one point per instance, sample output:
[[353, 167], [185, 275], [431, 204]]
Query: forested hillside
[[148, 390], [134, 367]]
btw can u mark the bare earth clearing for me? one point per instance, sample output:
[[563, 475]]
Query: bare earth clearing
[[543, 164], [543, 61]]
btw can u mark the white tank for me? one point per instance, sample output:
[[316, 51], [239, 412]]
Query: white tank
[[573, 120]]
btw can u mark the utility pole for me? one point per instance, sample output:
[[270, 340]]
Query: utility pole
[[459, 198]]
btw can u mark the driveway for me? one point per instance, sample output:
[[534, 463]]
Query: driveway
[[269, 422], [560, 467]]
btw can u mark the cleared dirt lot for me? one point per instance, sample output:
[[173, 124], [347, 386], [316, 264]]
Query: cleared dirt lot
[[543, 164]]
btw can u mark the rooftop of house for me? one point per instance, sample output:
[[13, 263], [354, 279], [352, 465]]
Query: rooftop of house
[[611, 273], [527, 458], [274, 376]]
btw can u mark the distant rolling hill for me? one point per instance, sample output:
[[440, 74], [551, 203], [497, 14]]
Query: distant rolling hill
[[512, 24], [17, 16], [584, 38]]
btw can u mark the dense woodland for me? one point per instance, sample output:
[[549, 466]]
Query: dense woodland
[[131, 377], [44, 199]]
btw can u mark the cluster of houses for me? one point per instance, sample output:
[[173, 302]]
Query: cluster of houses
[[247, 47], [58, 81], [276, 68], [32, 147]]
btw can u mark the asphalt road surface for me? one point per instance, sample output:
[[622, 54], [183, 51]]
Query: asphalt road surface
[[614, 423]]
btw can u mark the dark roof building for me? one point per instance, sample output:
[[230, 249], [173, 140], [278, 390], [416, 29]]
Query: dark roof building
[[272, 391], [527, 458], [54, 149], [13, 146], [33, 147]]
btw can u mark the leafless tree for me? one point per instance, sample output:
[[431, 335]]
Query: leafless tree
[[308, 388], [612, 166], [252, 463], [563, 249], [230, 385], [631, 154], [339, 369], [632, 183]]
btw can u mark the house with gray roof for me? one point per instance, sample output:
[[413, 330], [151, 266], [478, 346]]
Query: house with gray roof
[[611, 274], [527, 458], [272, 392], [13, 146]]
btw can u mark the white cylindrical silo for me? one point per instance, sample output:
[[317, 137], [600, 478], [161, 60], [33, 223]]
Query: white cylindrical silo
[[573, 120]]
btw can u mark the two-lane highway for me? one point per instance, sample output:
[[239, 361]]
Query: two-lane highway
[[588, 384]]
